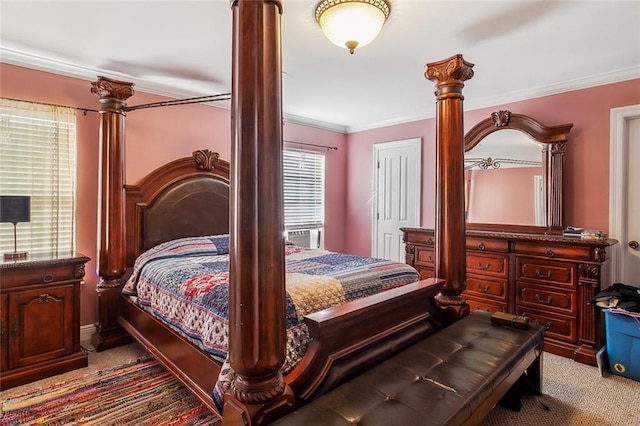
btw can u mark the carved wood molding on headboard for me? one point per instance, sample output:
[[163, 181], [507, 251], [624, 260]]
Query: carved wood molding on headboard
[[205, 159]]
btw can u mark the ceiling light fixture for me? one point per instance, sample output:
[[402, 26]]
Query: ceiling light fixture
[[352, 23]]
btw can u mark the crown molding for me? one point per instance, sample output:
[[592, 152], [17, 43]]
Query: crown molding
[[318, 124], [617, 76], [60, 67], [55, 66]]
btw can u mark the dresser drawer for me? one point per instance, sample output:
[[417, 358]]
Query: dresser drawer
[[487, 244], [553, 251], [425, 256], [548, 272], [483, 286], [496, 265], [484, 305], [558, 326], [45, 275], [545, 298]]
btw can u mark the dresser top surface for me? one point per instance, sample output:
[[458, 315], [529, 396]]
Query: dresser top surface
[[43, 259], [551, 238]]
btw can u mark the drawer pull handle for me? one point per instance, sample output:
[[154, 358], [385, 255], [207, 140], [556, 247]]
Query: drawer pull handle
[[47, 277], [550, 253], [485, 267], [546, 302], [481, 246], [430, 241], [546, 276], [484, 290], [547, 326]]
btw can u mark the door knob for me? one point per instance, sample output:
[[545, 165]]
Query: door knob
[[634, 245]]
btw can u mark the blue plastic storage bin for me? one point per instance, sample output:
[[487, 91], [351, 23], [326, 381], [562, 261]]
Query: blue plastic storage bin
[[623, 344]]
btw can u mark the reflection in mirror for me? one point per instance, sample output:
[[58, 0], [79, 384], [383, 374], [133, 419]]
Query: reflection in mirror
[[514, 173], [502, 171]]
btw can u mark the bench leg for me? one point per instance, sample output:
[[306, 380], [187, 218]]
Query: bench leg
[[534, 373]]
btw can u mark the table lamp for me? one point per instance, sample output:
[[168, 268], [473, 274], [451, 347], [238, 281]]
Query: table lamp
[[15, 209]]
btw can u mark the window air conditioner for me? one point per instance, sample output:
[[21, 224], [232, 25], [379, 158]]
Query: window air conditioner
[[305, 237]]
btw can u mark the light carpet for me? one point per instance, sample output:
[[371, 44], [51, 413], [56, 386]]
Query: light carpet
[[575, 394]]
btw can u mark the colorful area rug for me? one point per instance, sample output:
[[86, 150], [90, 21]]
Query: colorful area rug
[[141, 393]]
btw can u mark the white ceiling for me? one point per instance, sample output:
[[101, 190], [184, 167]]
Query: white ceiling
[[182, 48]]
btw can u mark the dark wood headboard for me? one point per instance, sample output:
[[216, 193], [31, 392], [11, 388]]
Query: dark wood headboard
[[185, 198]]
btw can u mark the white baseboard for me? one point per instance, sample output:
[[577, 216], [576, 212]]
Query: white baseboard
[[86, 331]]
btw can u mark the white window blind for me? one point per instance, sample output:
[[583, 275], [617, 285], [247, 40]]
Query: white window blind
[[38, 158], [303, 176]]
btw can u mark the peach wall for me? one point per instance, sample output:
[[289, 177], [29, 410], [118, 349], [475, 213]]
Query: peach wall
[[586, 192], [359, 178], [154, 137]]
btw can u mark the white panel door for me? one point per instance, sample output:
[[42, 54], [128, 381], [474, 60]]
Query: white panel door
[[631, 265], [396, 169], [625, 195]]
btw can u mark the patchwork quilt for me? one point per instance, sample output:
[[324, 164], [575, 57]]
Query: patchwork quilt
[[185, 283]]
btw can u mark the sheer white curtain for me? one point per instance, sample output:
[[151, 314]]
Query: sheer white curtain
[[38, 158]]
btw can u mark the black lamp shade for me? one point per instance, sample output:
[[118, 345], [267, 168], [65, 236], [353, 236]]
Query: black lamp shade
[[15, 208]]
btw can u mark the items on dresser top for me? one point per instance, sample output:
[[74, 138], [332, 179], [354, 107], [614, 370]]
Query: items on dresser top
[[585, 234]]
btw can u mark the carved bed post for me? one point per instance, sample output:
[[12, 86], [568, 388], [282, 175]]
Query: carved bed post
[[257, 336], [111, 257], [450, 251]]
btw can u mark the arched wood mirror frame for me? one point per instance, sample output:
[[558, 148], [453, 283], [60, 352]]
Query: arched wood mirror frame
[[553, 139]]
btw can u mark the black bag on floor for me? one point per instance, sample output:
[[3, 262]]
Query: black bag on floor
[[619, 295]]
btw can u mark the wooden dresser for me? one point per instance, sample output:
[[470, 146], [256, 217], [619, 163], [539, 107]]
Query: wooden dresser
[[40, 317], [548, 278]]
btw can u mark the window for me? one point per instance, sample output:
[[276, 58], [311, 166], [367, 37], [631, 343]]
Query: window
[[303, 176], [38, 158]]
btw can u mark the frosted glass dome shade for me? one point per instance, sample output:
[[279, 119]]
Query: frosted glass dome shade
[[352, 23]]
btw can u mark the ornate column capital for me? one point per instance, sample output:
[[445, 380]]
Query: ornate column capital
[[106, 88], [113, 94], [449, 75], [453, 68]]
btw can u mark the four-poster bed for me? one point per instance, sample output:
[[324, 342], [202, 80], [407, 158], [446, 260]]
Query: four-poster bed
[[344, 339]]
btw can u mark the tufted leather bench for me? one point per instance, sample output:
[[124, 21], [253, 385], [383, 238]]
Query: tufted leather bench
[[453, 377]]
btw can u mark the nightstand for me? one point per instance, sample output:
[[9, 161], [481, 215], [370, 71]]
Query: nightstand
[[40, 317]]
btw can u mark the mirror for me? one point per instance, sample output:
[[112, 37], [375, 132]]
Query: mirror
[[513, 173]]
